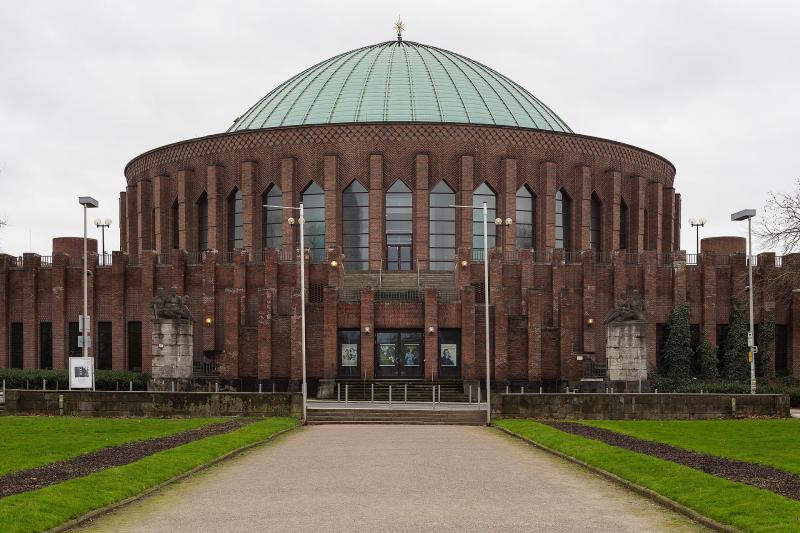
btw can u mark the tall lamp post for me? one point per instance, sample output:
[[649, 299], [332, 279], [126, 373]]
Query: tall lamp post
[[103, 225], [498, 222], [748, 214], [697, 224], [300, 220], [87, 202]]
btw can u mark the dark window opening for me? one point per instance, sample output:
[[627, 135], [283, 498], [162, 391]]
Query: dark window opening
[[596, 224], [646, 228], [73, 332], [104, 347], [45, 345], [235, 221], [135, 346], [349, 353], [563, 221], [480, 290], [526, 219], [316, 293], [16, 345], [176, 233], [202, 223], [355, 227], [781, 350], [623, 225]]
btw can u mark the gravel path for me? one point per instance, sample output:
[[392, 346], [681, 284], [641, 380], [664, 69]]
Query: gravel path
[[763, 477], [394, 478]]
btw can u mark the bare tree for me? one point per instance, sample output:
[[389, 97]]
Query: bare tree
[[780, 225]]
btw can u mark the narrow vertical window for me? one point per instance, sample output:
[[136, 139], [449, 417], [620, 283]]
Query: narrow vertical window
[[482, 194], [623, 225], [202, 223], [399, 224], [176, 239], [235, 221], [355, 227], [563, 221], [442, 227], [104, 345], [16, 345], [646, 227], [314, 208], [525, 218], [73, 334], [272, 218], [595, 224], [135, 346], [45, 345]]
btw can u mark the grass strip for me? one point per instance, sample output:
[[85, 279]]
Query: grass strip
[[727, 502], [51, 506], [767, 442], [31, 441]]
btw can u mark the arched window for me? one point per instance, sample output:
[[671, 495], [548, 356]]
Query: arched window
[[563, 220], [314, 214], [202, 223], [596, 224], [525, 219], [623, 225], [484, 193], [442, 220], [272, 218], [399, 226], [176, 233], [355, 227], [235, 221]]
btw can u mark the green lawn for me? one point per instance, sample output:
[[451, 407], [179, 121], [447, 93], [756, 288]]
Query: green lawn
[[48, 507], [30, 441], [768, 442], [736, 504]]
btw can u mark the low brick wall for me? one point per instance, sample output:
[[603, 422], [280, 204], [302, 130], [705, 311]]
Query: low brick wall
[[153, 404], [638, 406]]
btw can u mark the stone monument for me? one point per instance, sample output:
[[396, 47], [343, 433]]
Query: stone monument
[[626, 349], [173, 342]]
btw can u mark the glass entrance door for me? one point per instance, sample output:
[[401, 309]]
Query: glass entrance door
[[399, 354], [398, 256]]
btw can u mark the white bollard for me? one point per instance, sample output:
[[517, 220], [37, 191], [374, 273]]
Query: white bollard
[[470, 394], [338, 392], [479, 395], [390, 395], [346, 393], [216, 386], [173, 386], [540, 389], [507, 389], [259, 387], [44, 384], [372, 392], [522, 389], [130, 385], [405, 392]]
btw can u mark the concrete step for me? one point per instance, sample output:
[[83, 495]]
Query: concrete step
[[395, 416]]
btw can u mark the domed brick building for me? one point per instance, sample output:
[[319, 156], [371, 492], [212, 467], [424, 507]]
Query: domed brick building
[[380, 145]]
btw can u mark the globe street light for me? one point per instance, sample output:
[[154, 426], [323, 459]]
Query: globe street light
[[300, 220], [498, 222], [748, 214], [87, 202], [103, 225], [699, 223]]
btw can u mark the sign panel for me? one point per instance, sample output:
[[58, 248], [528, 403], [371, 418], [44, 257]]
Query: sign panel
[[349, 354], [84, 339], [88, 323], [81, 372]]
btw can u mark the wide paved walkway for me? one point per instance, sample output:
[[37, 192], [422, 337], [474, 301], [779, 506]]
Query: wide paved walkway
[[394, 478]]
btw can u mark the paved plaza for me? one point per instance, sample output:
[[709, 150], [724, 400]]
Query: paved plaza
[[394, 478]]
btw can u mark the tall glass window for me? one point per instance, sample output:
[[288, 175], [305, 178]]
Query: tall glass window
[[314, 211], [563, 220], [646, 228], [202, 223], [595, 224], [442, 226], [399, 226], [355, 227], [272, 218], [176, 231], [235, 221], [623, 225], [526, 235], [484, 193]]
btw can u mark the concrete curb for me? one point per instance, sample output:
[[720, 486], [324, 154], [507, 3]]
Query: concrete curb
[[643, 491], [75, 522]]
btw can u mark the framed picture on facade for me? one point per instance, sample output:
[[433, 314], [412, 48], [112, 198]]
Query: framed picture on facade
[[349, 354], [81, 372], [448, 355], [386, 354], [411, 355]]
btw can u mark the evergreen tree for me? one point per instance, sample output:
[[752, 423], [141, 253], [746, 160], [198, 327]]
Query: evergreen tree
[[766, 348], [705, 358], [734, 364], [677, 354]]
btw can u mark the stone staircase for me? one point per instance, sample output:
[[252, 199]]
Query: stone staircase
[[461, 417], [358, 390], [400, 285]]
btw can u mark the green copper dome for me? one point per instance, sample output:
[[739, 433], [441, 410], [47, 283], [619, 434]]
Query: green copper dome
[[399, 81]]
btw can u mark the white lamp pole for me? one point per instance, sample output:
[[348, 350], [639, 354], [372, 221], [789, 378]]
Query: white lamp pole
[[87, 202], [301, 220], [748, 214]]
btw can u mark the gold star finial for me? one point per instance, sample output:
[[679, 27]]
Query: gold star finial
[[398, 26]]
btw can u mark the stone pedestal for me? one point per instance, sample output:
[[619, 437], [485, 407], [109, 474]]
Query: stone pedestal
[[173, 343], [626, 351], [326, 388]]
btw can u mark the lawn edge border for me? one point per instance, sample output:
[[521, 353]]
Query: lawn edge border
[[100, 511], [630, 485]]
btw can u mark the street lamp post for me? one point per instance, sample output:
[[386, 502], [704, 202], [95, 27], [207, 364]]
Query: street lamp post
[[748, 214], [103, 225], [498, 222], [300, 220], [697, 224], [87, 202]]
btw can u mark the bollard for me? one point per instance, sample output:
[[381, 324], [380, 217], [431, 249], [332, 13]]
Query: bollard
[[216, 386], [130, 383], [116, 383], [733, 406], [390, 395], [259, 387], [470, 394], [27, 384], [44, 384], [173, 386], [405, 392], [507, 391], [567, 389], [522, 389], [61, 404], [540, 389], [346, 393], [338, 392], [433, 396], [479, 394], [439, 387], [372, 392]]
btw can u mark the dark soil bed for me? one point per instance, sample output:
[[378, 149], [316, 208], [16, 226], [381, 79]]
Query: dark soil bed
[[763, 477], [83, 465]]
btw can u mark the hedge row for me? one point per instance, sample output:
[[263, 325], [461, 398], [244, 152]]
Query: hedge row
[[17, 378], [787, 385]]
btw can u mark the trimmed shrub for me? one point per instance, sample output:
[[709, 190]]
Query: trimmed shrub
[[705, 359], [676, 357], [31, 378], [734, 363]]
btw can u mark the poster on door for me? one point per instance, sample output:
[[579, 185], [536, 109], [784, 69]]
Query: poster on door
[[448, 355], [411, 355], [349, 354], [386, 354]]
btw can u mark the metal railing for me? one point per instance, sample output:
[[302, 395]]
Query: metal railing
[[477, 255], [511, 257], [398, 295]]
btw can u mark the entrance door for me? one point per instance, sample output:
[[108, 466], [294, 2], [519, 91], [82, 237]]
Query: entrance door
[[398, 256], [399, 354]]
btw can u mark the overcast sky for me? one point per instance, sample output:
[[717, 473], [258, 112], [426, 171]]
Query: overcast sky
[[713, 86]]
